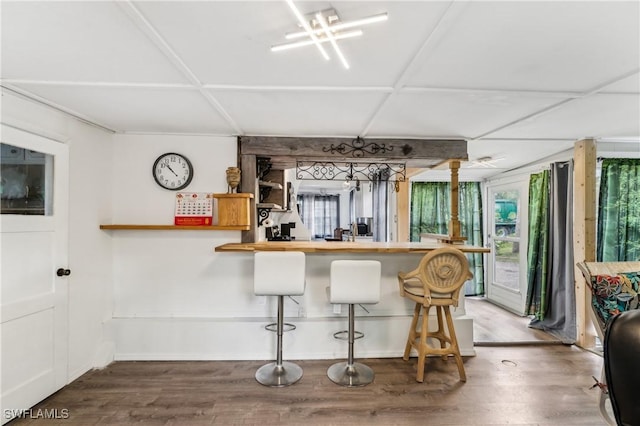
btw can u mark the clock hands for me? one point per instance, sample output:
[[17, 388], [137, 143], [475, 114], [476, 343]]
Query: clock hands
[[169, 167]]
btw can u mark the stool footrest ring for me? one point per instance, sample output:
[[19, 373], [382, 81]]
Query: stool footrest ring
[[344, 335], [285, 327]]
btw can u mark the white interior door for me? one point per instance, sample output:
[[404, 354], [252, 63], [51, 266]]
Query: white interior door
[[33, 298], [507, 236]]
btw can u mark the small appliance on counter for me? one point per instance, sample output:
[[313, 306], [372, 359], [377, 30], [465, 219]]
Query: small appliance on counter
[[337, 235], [283, 233], [365, 226]]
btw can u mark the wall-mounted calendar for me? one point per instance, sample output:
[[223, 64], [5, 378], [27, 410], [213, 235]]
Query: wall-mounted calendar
[[194, 209]]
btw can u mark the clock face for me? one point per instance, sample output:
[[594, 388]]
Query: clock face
[[172, 171]]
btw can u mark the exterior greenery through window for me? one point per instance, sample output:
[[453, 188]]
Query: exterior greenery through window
[[431, 211]]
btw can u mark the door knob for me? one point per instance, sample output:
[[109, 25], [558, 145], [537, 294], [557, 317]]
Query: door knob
[[61, 272]]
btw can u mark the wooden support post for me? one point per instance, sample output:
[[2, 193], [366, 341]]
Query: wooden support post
[[584, 233], [402, 213], [249, 184], [403, 207], [453, 235], [454, 222]]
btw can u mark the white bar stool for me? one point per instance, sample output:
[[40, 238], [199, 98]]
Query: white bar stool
[[353, 281], [279, 274]]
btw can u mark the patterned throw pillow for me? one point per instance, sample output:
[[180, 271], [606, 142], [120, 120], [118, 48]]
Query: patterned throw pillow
[[612, 294]]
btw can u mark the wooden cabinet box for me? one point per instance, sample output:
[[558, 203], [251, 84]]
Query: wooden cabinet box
[[234, 209]]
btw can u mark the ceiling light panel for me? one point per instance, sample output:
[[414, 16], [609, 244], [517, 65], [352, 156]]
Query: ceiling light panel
[[324, 27]]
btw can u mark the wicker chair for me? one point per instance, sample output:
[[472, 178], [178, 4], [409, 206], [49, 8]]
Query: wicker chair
[[436, 282]]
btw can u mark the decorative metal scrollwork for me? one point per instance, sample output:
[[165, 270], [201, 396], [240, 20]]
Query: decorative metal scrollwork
[[330, 170], [358, 148], [263, 165], [263, 214]]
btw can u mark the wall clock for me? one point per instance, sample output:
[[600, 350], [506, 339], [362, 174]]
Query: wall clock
[[172, 171]]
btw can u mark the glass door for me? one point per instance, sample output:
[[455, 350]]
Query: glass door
[[507, 236]]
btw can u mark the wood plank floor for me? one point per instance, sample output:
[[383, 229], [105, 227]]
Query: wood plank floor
[[519, 385], [493, 325]]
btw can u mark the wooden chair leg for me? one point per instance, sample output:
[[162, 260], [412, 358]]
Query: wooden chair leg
[[454, 344], [412, 332], [440, 334], [423, 348]]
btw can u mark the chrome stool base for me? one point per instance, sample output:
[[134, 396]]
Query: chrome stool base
[[356, 374], [275, 375]]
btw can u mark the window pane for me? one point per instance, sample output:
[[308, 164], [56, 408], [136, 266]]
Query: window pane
[[507, 208], [506, 239], [506, 268], [26, 178]]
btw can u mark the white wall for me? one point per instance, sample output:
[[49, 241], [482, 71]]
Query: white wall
[[168, 283], [90, 250], [90, 184]]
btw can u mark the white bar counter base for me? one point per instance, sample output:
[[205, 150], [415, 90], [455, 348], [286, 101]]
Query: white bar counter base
[[386, 326]]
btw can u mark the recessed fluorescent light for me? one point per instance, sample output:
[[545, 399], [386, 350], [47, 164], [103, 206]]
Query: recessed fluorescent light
[[341, 26], [339, 36]]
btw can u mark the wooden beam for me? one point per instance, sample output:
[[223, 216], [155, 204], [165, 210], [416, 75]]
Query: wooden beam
[[355, 149], [584, 233]]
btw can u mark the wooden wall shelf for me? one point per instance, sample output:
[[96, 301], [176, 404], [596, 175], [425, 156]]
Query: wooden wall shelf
[[233, 215], [173, 227]]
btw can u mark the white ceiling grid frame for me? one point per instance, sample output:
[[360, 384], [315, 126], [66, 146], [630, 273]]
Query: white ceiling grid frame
[[148, 29], [561, 103], [24, 94], [450, 13]]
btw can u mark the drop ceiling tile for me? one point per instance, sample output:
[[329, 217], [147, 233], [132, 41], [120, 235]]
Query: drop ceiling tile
[[300, 113], [627, 85], [139, 110], [510, 154], [219, 54], [507, 155], [453, 114], [534, 45], [79, 41], [601, 115]]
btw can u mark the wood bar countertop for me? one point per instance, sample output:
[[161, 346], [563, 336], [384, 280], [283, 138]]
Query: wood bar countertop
[[344, 247]]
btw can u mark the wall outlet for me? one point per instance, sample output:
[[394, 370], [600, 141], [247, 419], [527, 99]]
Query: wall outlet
[[337, 308]]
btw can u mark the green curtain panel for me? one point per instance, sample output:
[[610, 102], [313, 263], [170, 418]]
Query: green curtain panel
[[537, 250], [554, 297], [618, 234], [430, 208], [430, 213]]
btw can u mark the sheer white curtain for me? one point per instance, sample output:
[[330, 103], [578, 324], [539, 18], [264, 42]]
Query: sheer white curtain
[[381, 207], [320, 213]]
